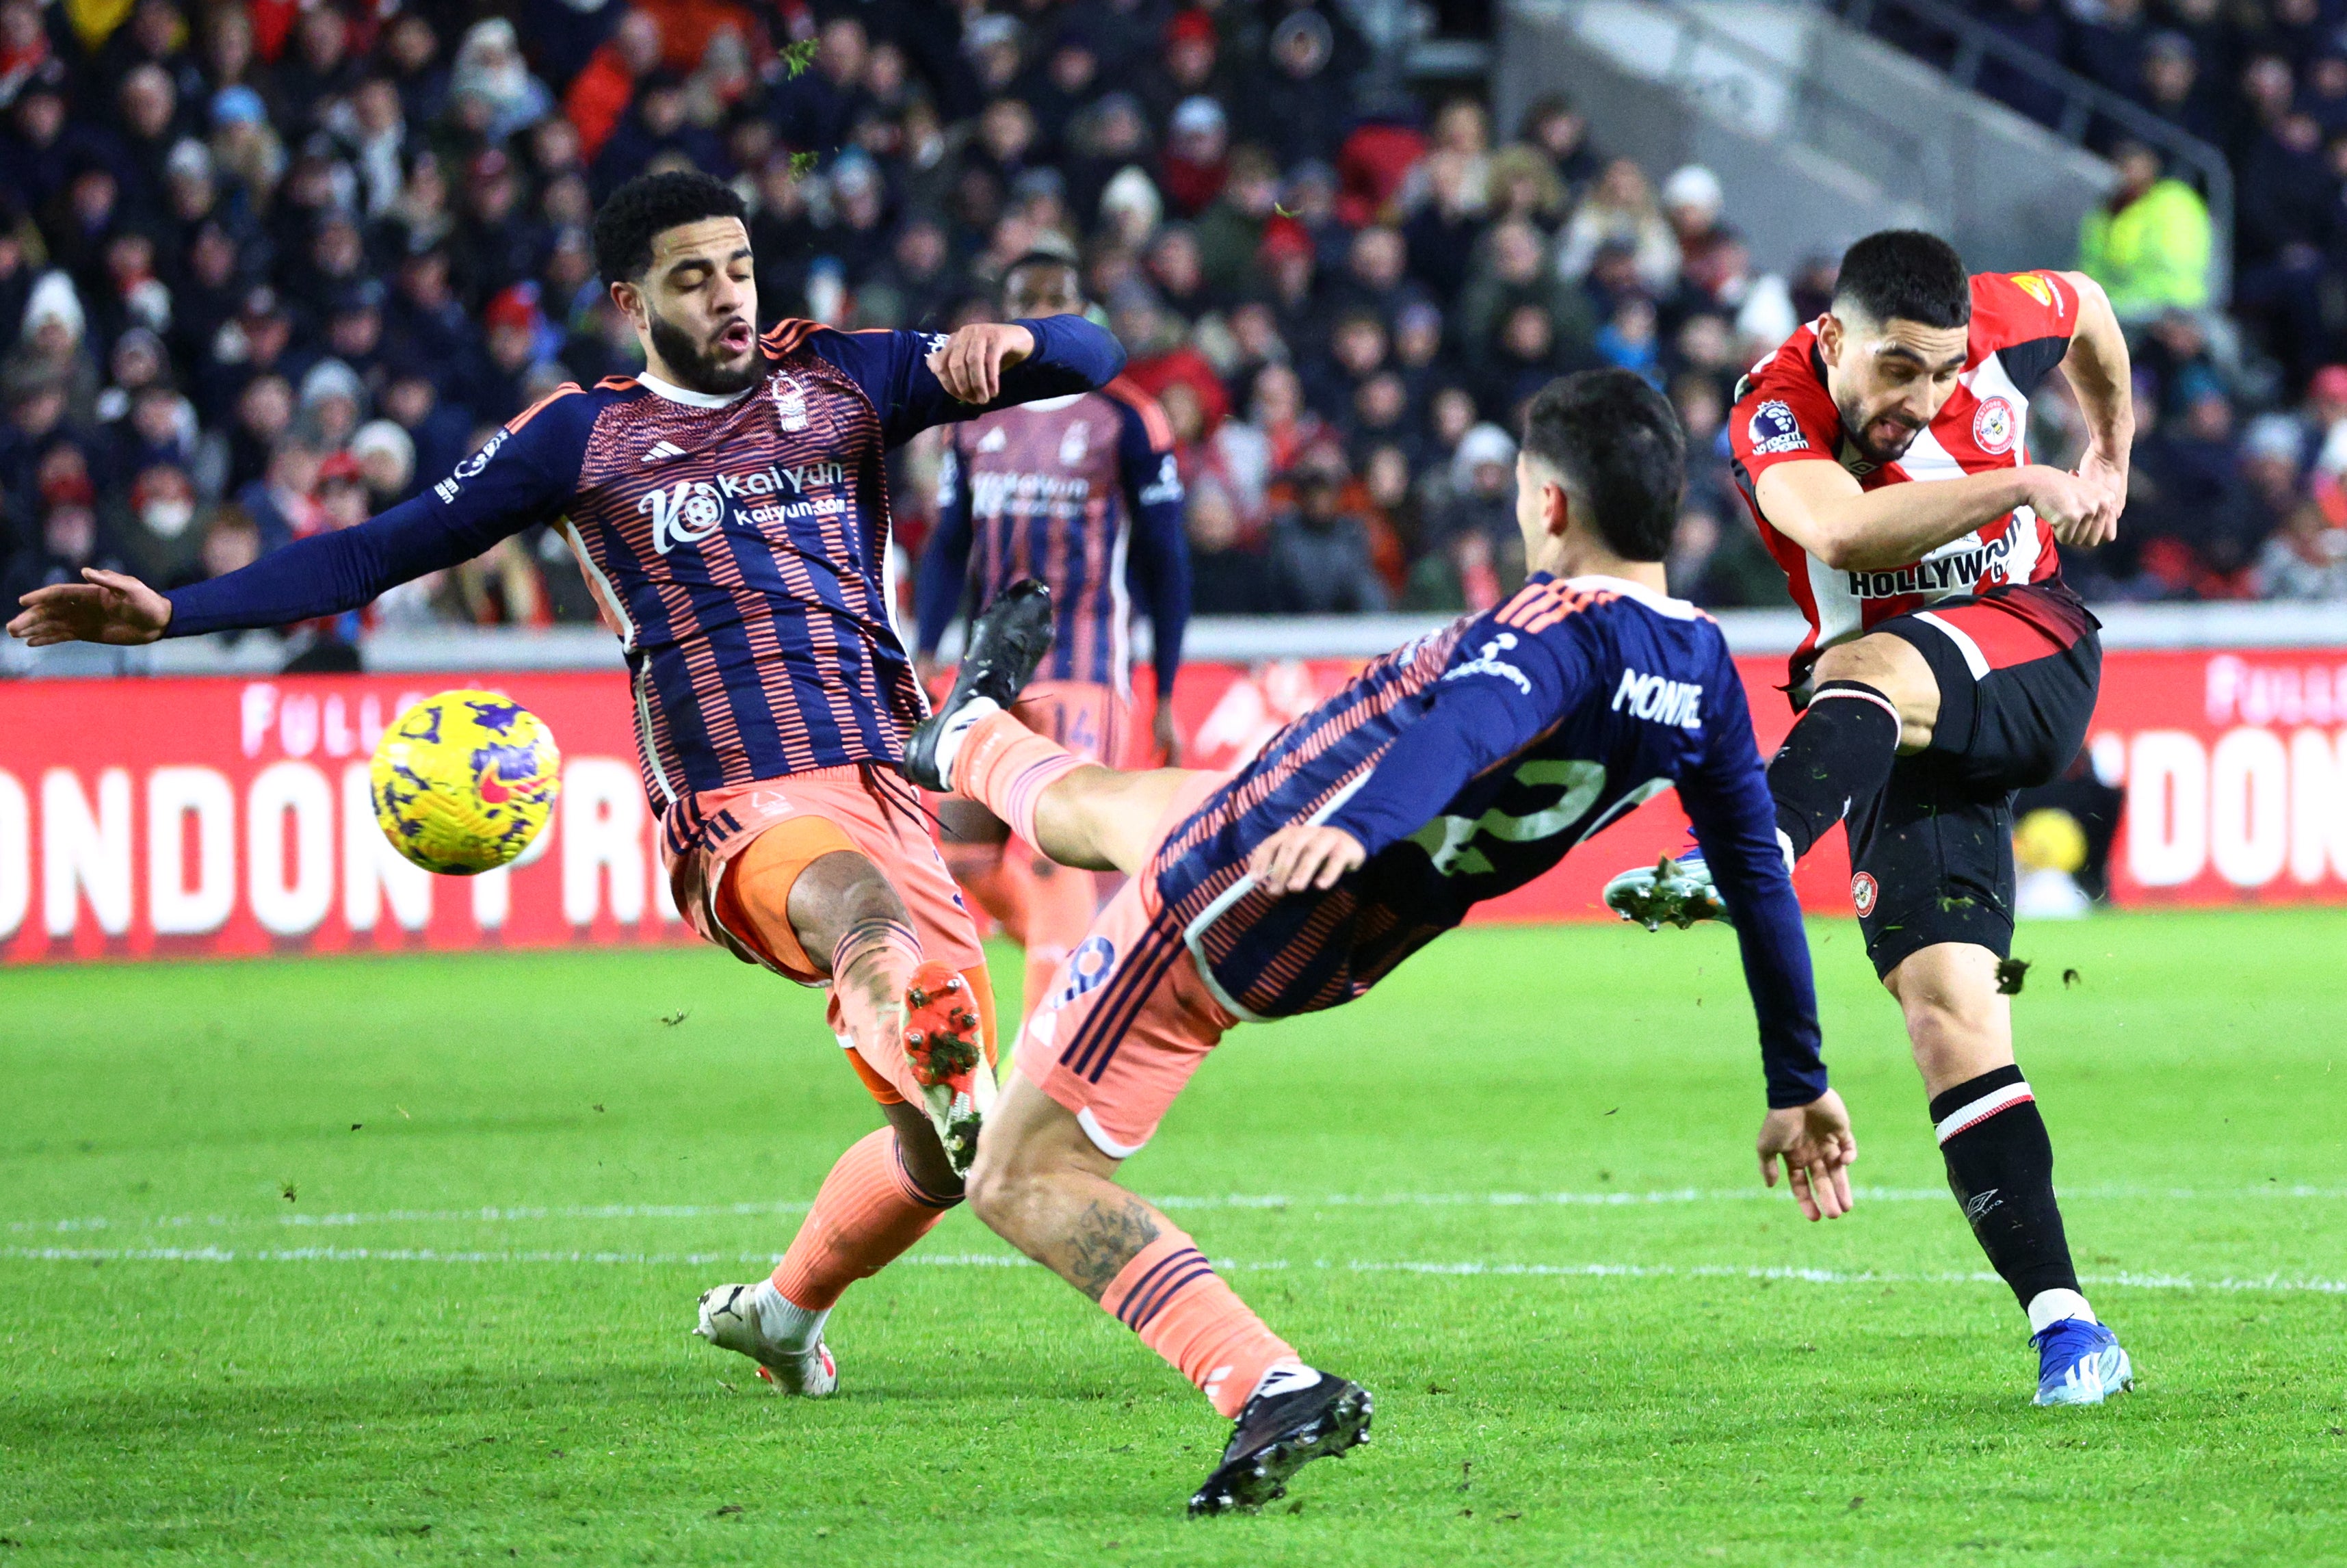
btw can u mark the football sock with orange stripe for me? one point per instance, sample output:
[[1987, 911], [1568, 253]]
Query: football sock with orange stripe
[[1006, 767], [1180, 1307], [870, 970], [1837, 756], [2000, 1163], [867, 1212]]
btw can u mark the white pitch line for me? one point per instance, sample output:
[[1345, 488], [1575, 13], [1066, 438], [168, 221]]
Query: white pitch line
[[1459, 1270], [498, 1215], [1244, 1266]]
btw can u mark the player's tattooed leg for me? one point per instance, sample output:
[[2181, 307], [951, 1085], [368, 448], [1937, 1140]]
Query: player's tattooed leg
[[1105, 1238]]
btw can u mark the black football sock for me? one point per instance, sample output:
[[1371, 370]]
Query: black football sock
[[1840, 752], [2001, 1167]]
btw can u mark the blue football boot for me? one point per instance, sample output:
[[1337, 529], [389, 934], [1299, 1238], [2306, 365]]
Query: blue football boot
[[2080, 1363]]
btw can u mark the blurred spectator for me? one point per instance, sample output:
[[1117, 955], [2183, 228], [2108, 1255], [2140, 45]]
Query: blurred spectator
[[1197, 147], [1322, 557], [2148, 244], [1477, 555], [2307, 559], [1621, 210], [599, 95], [385, 454], [1559, 132]]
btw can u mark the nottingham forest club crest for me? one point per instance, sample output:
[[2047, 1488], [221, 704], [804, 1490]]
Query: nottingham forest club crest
[[790, 402]]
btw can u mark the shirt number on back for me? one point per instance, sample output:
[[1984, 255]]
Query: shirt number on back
[[1450, 841]]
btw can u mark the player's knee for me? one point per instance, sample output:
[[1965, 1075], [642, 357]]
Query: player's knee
[[1010, 1184], [1893, 667], [1000, 1191], [837, 890], [1954, 1036]]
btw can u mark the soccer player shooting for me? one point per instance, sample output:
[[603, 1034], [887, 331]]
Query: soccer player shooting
[[728, 508], [1076, 493], [1884, 451], [1451, 771]]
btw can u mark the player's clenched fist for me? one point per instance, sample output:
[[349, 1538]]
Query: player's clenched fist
[[971, 363], [2082, 512], [108, 608], [1300, 858]]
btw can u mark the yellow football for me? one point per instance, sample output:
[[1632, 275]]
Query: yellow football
[[2049, 838], [464, 780]]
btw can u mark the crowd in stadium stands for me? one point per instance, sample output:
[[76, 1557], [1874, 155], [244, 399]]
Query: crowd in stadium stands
[[266, 268], [2240, 477]]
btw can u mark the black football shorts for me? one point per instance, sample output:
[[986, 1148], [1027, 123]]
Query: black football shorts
[[1932, 855]]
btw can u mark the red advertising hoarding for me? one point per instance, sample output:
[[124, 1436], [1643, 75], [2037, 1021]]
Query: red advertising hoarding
[[220, 815]]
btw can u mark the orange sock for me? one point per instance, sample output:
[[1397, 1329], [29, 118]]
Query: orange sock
[[1059, 906], [1173, 1299], [870, 970], [1006, 767], [866, 1214]]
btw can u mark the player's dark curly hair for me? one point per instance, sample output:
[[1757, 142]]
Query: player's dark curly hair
[[1617, 444], [1905, 275], [644, 206]]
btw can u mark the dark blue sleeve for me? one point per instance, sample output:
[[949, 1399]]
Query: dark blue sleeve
[[893, 368], [1726, 796], [1504, 689], [1159, 567], [939, 586], [518, 477]]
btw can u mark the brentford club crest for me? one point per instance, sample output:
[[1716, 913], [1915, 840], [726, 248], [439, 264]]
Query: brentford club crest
[[1862, 893], [1993, 426]]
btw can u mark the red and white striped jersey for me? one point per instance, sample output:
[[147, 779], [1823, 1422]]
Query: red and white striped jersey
[[2020, 329]]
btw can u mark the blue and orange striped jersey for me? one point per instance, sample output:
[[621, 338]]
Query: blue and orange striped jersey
[[1468, 763], [1078, 493], [736, 545]]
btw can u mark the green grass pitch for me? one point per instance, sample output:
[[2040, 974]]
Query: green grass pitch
[[434, 1228]]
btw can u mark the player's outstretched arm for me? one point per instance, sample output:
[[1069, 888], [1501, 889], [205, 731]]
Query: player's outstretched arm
[[918, 379], [1820, 506], [525, 474], [105, 607], [1726, 796], [2099, 372]]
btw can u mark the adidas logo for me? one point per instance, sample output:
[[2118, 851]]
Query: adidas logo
[[662, 451]]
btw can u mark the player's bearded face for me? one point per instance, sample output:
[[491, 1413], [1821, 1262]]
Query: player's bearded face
[[1890, 382], [699, 305], [720, 361]]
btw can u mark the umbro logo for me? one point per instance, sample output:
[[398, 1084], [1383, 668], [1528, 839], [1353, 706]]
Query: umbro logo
[[662, 451]]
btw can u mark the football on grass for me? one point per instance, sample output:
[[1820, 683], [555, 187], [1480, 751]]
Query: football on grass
[[464, 780]]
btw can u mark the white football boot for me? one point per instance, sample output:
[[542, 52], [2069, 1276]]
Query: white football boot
[[735, 1318]]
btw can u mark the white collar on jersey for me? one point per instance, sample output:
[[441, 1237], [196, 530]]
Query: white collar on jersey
[[1053, 404], [1661, 604], [674, 393]]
